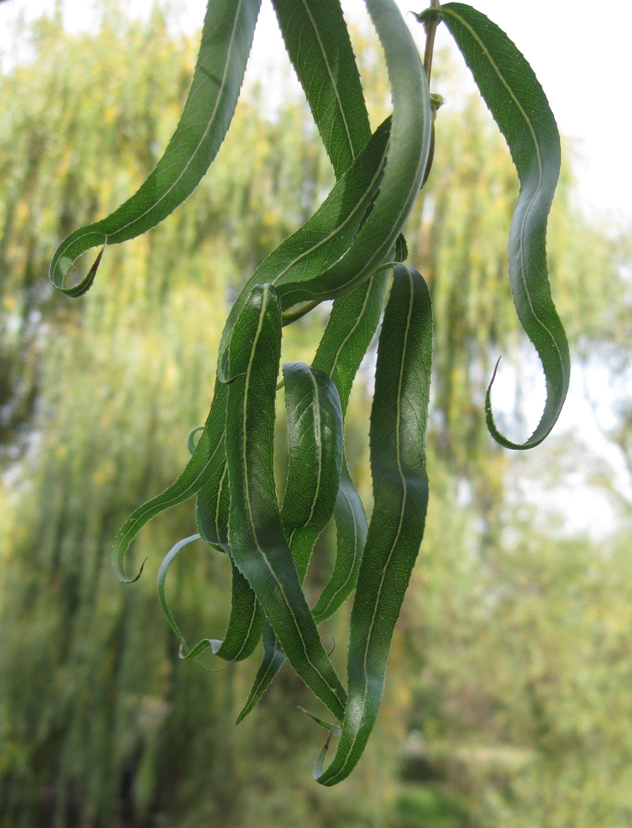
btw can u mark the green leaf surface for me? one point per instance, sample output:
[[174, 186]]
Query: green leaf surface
[[314, 426], [245, 623], [324, 238], [317, 41], [246, 617], [315, 448], [352, 324], [351, 529], [206, 463], [226, 40], [212, 508], [256, 536], [399, 420], [520, 108], [407, 157], [272, 660]]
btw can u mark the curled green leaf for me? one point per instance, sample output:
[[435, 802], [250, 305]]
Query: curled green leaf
[[256, 536], [399, 420], [520, 108], [314, 426], [225, 46], [191, 441], [272, 660], [407, 158], [352, 324], [206, 462], [324, 238], [244, 627]]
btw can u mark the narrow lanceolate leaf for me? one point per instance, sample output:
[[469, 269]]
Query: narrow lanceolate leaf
[[314, 426], [317, 41], [399, 421], [226, 41], [271, 662], [211, 511], [351, 529], [257, 541], [244, 628], [324, 238], [206, 463], [352, 324], [407, 157], [246, 617], [521, 110]]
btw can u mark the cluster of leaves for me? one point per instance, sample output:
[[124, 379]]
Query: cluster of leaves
[[345, 253]]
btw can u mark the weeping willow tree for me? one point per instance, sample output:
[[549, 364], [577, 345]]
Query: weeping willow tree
[[100, 721]]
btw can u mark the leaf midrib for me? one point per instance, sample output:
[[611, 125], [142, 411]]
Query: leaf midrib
[[264, 302], [209, 125], [334, 86], [498, 72], [399, 527]]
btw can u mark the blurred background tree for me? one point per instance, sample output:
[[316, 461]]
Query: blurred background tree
[[513, 705]]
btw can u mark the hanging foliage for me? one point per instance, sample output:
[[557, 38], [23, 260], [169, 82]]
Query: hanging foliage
[[344, 252]]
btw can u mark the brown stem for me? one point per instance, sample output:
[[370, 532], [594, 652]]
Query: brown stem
[[430, 26]]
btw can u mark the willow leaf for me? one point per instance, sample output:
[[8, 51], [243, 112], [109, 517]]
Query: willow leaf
[[271, 662], [206, 463], [256, 535], [212, 507], [352, 324], [328, 73], [407, 157], [314, 426], [325, 237], [520, 108], [226, 40], [246, 618], [351, 529], [244, 628], [399, 419]]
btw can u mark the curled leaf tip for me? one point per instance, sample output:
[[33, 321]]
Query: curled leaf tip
[[191, 441], [491, 382], [140, 571]]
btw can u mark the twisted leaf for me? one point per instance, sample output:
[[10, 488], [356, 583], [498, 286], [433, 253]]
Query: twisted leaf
[[256, 535], [521, 110], [407, 157], [206, 464], [314, 426], [271, 662], [324, 238], [246, 618], [244, 628], [352, 324], [399, 419], [225, 46]]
